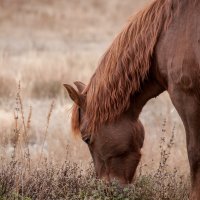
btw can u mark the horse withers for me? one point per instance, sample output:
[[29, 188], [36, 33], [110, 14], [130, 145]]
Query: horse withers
[[158, 50]]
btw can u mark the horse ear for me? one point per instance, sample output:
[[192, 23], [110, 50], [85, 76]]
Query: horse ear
[[74, 95], [80, 86]]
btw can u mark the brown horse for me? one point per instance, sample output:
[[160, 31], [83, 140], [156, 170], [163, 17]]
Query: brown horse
[[158, 50]]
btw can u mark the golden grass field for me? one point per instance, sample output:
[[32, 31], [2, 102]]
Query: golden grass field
[[45, 43]]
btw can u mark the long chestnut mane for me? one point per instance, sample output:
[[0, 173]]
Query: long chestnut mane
[[124, 66]]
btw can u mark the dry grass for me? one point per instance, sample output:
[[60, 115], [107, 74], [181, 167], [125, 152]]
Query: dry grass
[[68, 181], [44, 44], [24, 178]]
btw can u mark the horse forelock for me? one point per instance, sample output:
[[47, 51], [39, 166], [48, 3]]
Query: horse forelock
[[75, 120], [125, 65]]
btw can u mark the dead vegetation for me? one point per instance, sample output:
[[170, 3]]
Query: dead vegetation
[[25, 177]]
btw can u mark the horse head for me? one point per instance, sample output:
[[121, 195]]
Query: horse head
[[115, 146]]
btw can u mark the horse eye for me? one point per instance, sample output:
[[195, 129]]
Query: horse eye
[[86, 139]]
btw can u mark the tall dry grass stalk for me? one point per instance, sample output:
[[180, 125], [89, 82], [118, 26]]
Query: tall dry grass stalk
[[25, 133], [21, 148], [46, 129], [28, 124]]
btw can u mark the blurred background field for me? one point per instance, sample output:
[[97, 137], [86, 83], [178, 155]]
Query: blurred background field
[[45, 43]]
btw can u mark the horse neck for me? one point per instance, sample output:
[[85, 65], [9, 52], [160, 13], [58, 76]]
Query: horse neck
[[150, 89]]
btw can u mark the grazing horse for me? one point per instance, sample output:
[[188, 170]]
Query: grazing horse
[[158, 50]]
